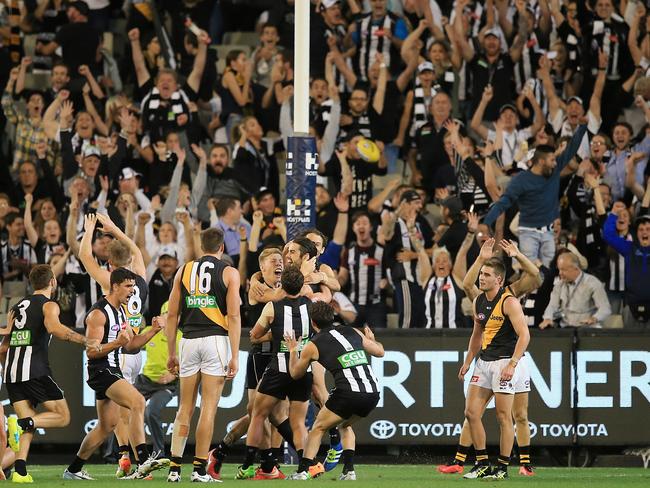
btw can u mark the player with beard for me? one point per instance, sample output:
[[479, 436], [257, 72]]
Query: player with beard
[[107, 321], [27, 375], [500, 338], [342, 351], [122, 252], [535, 191], [288, 314], [259, 357]]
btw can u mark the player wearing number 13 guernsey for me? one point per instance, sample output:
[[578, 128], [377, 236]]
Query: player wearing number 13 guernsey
[[32, 323], [204, 303]]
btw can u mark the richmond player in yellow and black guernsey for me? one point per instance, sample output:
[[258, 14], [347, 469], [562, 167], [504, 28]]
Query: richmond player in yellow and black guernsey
[[204, 304], [500, 338]]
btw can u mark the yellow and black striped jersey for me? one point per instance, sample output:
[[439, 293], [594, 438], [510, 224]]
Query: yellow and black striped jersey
[[203, 308], [499, 336]]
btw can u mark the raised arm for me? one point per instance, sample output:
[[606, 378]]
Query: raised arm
[[477, 119], [100, 275], [531, 279], [599, 85], [194, 79], [380, 92], [141, 71], [30, 231], [469, 282], [522, 32]]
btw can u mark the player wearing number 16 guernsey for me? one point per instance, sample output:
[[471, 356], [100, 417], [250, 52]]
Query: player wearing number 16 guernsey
[[343, 351], [27, 374], [122, 253], [204, 304]]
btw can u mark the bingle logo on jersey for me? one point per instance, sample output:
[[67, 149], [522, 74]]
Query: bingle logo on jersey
[[201, 301]]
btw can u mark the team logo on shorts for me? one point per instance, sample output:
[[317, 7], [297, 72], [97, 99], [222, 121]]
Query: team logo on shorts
[[504, 384], [474, 379]]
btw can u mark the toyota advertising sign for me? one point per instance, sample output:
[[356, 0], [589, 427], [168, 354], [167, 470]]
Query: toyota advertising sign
[[587, 389]]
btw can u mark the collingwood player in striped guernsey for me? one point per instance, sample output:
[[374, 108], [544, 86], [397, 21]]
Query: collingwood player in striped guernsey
[[106, 321], [280, 318], [204, 304], [499, 339], [259, 357], [31, 324], [343, 352], [122, 252]]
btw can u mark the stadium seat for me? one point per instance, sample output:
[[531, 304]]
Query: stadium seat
[[392, 321], [29, 44], [13, 301], [613, 322], [14, 289], [247, 38]]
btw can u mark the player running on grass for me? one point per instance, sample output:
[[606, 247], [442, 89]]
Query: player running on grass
[[106, 321], [530, 280], [342, 351], [27, 374]]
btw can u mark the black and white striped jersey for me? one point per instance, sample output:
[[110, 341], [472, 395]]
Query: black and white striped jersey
[[341, 352], [289, 315], [114, 323], [442, 299], [27, 356], [366, 269]]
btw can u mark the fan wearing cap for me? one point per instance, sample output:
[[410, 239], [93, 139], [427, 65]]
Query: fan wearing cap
[[512, 139], [565, 117], [328, 26], [491, 65], [636, 313], [401, 254], [356, 154], [78, 40], [416, 104]]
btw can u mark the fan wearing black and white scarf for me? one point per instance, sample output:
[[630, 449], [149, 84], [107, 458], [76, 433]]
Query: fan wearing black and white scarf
[[160, 116]]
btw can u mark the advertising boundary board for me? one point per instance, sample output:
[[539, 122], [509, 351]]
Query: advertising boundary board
[[589, 388]]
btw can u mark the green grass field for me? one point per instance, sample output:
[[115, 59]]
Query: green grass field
[[393, 476]]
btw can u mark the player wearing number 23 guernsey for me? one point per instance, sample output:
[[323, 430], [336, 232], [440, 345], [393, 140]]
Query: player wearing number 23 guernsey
[[204, 304]]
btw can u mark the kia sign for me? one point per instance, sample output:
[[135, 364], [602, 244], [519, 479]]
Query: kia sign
[[603, 378]]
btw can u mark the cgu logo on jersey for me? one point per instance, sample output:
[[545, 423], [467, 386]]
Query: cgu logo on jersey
[[352, 359], [201, 301], [21, 338]]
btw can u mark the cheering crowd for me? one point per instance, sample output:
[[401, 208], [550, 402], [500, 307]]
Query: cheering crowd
[[523, 120]]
